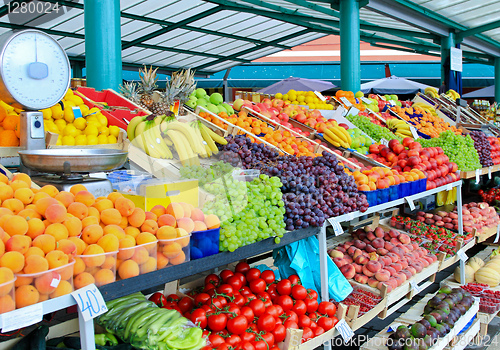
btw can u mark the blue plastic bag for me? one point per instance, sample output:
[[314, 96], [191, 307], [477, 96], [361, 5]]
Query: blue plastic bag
[[302, 258]]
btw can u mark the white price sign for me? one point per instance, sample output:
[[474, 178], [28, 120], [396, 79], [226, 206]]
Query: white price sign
[[410, 203], [384, 142], [498, 234], [462, 256], [489, 173], [22, 317], [353, 111], [394, 327], [346, 101], [392, 102], [366, 100], [320, 95], [415, 287], [337, 229], [478, 174], [414, 132], [345, 331], [449, 187], [90, 302]]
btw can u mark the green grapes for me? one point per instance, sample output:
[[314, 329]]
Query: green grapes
[[458, 148], [248, 211], [376, 132]]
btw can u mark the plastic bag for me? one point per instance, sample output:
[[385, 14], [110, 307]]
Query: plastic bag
[[302, 258]]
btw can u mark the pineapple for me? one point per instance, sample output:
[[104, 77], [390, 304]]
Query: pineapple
[[147, 87], [129, 90], [179, 87]]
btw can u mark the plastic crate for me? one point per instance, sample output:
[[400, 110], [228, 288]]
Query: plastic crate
[[204, 243], [173, 251], [128, 181]]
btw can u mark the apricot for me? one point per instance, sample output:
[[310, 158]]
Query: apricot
[[103, 204], [184, 242], [56, 258], [66, 198], [109, 262], [74, 226], [148, 266], [137, 217], [176, 210], [47, 282], [161, 261], [89, 220], [45, 242], [78, 210], [166, 232], [29, 214], [113, 196], [92, 233], [4, 179], [125, 206], [43, 203], [151, 216], [6, 192], [15, 225], [186, 223], [56, 213], [199, 226], [124, 222], [104, 276], [171, 249], [187, 209], [128, 269], [167, 220], [6, 279], [18, 243], [111, 217], [35, 264], [34, 251], [5, 211], [80, 244], [22, 281], [57, 230], [83, 279], [109, 243], [17, 184], [95, 213], [15, 205], [85, 197], [6, 304], [145, 237], [179, 259], [79, 266], [132, 231], [22, 177], [67, 247], [125, 247], [212, 221], [63, 288], [140, 255], [51, 190], [66, 271], [149, 226], [38, 196], [77, 188], [96, 257], [158, 210], [43, 297], [197, 215], [26, 295], [4, 236], [25, 195]]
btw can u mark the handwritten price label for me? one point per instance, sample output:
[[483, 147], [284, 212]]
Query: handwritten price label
[[345, 331], [22, 317], [478, 173], [337, 229], [410, 203], [462, 256], [353, 111], [415, 287], [414, 132], [346, 101], [90, 302], [320, 95]]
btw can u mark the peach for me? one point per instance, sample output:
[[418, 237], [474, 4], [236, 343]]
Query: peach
[[167, 220], [348, 271], [35, 264], [92, 233], [367, 272], [18, 243], [149, 226], [404, 238], [176, 210], [382, 275], [361, 259], [137, 217], [57, 258], [339, 262], [373, 266], [109, 243], [186, 223], [166, 232], [361, 278], [197, 215], [358, 268], [103, 204], [199, 226], [63, 288], [104, 276], [97, 257], [26, 295], [392, 270], [66, 198], [57, 230], [212, 221], [85, 197], [128, 268], [15, 225], [47, 282], [158, 210], [372, 282]]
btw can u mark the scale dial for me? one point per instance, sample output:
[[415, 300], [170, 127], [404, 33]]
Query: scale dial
[[34, 70]]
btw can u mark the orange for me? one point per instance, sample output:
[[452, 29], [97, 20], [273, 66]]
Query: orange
[[8, 138]]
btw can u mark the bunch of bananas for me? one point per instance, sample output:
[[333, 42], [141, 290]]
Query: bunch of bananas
[[452, 95], [431, 92], [426, 107], [338, 136], [155, 136], [399, 127]]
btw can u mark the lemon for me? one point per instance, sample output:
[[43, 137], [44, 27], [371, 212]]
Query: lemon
[[68, 141], [312, 106], [69, 130], [102, 139], [57, 111], [92, 111], [94, 123], [92, 140], [47, 113], [80, 123], [295, 102], [78, 132], [102, 119], [114, 130], [81, 140], [76, 99], [53, 128], [69, 116], [84, 108], [59, 141], [92, 118], [103, 130], [285, 97], [111, 139], [278, 95], [91, 130], [68, 93]]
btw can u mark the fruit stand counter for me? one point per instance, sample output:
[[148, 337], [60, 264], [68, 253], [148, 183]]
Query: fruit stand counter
[[483, 171]]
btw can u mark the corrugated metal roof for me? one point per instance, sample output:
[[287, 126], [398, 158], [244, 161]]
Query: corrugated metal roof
[[212, 35]]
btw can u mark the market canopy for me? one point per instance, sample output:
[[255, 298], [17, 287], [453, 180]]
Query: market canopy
[[393, 85], [297, 84], [482, 93]]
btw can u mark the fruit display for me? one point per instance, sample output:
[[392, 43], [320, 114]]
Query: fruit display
[[307, 98], [313, 188], [487, 273], [491, 196], [214, 102], [495, 149], [359, 142], [364, 299], [440, 315], [431, 92], [338, 136], [399, 127], [375, 132], [380, 258], [425, 119], [9, 125], [249, 211], [489, 299], [459, 149], [157, 135], [248, 307], [482, 146], [452, 95], [144, 325]]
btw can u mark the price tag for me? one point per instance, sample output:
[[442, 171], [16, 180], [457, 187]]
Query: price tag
[[410, 203], [345, 331], [394, 327], [489, 173], [346, 101], [476, 299], [498, 234], [384, 142], [366, 100], [90, 301], [353, 111], [415, 287], [462, 256], [392, 102], [414, 132], [337, 229], [23, 317], [478, 174], [77, 112], [449, 187], [320, 95]]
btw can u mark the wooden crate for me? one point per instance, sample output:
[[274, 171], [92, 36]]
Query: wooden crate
[[472, 174], [489, 232], [9, 156]]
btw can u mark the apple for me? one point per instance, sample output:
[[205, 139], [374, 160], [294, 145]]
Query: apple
[[393, 143]]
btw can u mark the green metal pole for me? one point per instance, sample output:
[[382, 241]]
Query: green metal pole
[[350, 65], [103, 44], [446, 44], [497, 79]]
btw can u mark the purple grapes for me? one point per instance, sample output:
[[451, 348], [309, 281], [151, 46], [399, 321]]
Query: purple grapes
[[483, 147]]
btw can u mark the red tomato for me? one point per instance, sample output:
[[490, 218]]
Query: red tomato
[[225, 274], [251, 297], [292, 316], [252, 274], [173, 297], [237, 325], [285, 302], [258, 307], [284, 287], [304, 321], [266, 323], [186, 304], [246, 345], [307, 334], [326, 323], [223, 346], [273, 311], [257, 285], [260, 345], [158, 298], [268, 276], [327, 308], [212, 279], [248, 313], [335, 320], [299, 307], [318, 331], [279, 333], [299, 292], [225, 289], [235, 282], [207, 308], [217, 322], [199, 316], [291, 324], [294, 279], [209, 288], [273, 294], [242, 267], [313, 325], [241, 277], [245, 291], [311, 293], [248, 336], [233, 309], [233, 340], [268, 338], [280, 309], [216, 340], [239, 300], [263, 295], [311, 304], [172, 306]]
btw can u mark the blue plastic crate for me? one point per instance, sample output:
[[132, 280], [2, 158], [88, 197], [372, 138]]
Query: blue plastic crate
[[393, 192], [204, 243]]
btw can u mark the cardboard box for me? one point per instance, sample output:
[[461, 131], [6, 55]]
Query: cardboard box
[[163, 193]]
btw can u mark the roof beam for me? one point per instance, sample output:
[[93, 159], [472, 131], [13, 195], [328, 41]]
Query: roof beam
[[171, 27], [477, 30]]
